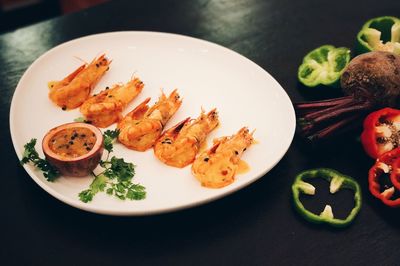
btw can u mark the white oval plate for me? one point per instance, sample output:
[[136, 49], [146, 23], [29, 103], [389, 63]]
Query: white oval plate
[[206, 74]]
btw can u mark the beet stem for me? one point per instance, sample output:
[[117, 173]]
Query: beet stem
[[315, 114], [320, 119], [353, 108], [310, 128], [329, 130], [324, 103]]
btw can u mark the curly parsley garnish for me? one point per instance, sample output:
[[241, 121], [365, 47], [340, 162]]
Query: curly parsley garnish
[[116, 179], [109, 137], [31, 155]]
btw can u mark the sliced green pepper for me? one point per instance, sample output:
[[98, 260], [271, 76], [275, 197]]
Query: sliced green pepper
[[323, 65], [337, 181], [379, 34]]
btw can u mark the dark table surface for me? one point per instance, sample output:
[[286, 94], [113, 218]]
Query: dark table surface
[[255, 226]]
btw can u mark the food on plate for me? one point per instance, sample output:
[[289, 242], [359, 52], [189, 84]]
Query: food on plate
[[106, 108], [323, 66], [217, 166], [81, 157], [370, 81], [73, 90], [337, 181], [381, 177], [116, 178], [74, 149], [380, 34], [179, 145], [381, 132], [31, 156], [140, 128]]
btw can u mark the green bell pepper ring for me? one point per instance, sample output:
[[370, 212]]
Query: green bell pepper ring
[[379, 34], [337, 181], [323, 66]]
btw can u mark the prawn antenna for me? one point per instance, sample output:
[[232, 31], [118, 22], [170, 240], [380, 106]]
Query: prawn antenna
[[133, 74], [80, 59]]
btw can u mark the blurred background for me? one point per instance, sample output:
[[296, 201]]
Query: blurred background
[[18, 13]]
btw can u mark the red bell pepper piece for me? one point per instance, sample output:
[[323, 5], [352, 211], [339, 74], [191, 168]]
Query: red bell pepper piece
[[385, 164], [381, 132], [395, 174]]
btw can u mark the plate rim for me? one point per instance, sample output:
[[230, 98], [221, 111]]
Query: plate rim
[[117, 212]]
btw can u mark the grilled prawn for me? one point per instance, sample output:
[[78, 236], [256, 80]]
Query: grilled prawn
[[179, 145], [140, 128], [216, 167], [73, 90], [106, 107]]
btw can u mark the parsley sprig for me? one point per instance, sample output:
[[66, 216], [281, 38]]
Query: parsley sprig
[[31, 155], [82, 120], [109, 137], [116, 178]]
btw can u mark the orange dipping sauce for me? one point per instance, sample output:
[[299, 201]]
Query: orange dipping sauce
[[72, 142], [243, 167]]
